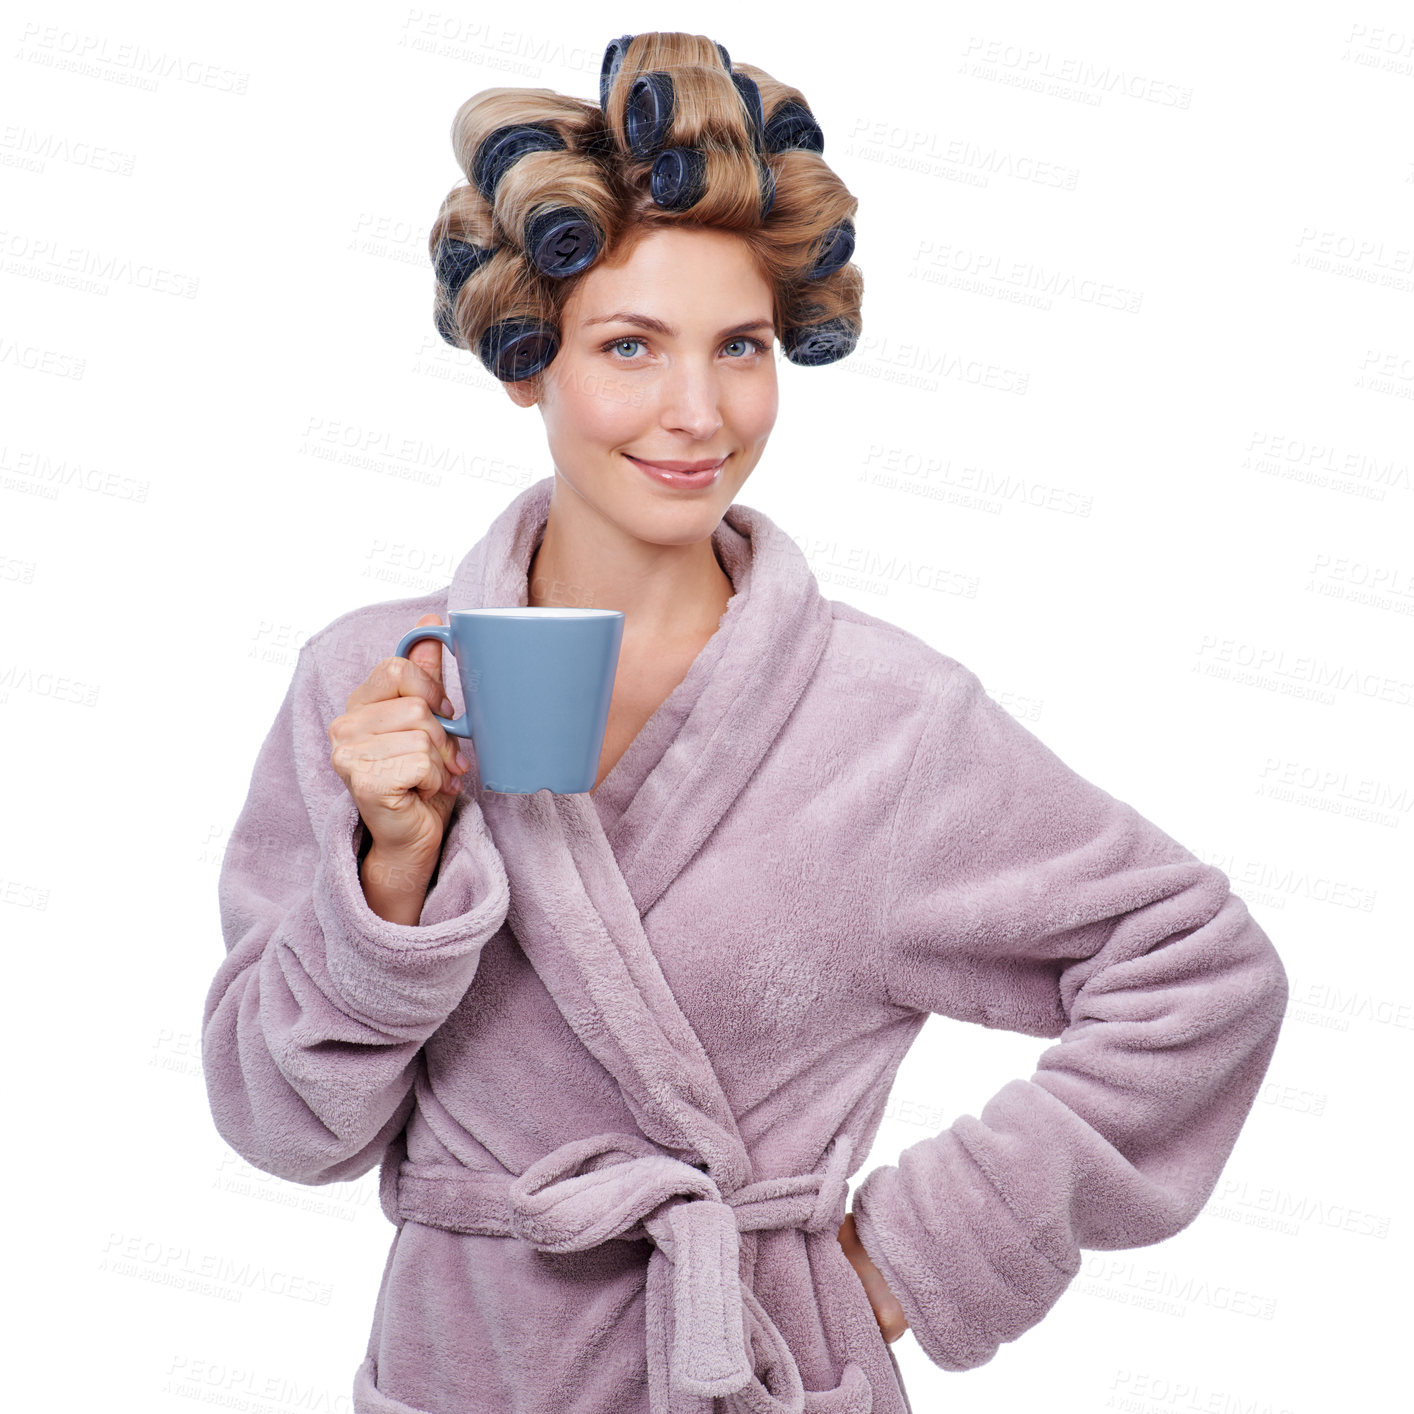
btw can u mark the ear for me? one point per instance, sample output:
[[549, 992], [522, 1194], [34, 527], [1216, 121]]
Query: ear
[[525, 393]]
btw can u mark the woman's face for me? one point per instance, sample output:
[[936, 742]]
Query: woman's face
[[667, 355]]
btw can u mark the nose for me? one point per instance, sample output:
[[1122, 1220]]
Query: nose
[[690, 399]]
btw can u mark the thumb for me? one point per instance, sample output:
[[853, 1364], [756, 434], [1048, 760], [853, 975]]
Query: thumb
[[428, 656]]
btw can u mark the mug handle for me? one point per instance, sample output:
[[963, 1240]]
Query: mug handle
[[460, 726]]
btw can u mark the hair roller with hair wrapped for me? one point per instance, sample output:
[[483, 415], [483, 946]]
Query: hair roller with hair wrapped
[[455, 263], [751, 100], [518, 348], [811, 345], [680, 172], [648, 113], [836, 248], [510, 349], [613, 56], [756, 122], [679, 176], [614, 53], [560, 239], [793, 125]]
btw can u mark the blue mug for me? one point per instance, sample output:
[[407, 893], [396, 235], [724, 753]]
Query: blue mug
[[537, 684]]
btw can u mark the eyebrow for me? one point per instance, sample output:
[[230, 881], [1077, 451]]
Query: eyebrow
[[657, 326]]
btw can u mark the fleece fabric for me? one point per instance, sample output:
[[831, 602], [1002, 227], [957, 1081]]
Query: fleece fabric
[[620, 1073]]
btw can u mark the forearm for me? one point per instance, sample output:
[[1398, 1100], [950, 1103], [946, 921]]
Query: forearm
[[1024, 897], [314, 1019]]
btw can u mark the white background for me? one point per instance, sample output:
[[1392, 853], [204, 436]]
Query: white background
[[1128, 433]]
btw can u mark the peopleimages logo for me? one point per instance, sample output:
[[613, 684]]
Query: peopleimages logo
[[117, 61], [1068, 76]]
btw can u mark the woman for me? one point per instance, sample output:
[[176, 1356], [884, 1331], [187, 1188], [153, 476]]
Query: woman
[[619, 1052]]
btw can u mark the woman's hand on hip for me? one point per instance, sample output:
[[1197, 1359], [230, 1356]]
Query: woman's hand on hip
[[887, 1311]]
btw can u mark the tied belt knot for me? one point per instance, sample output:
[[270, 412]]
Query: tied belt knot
[[611, 1186]]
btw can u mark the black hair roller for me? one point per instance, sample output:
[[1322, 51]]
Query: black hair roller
[[648, 114], [679, 178], [614, 53], [561, 241], [793, 125], [836, 248], [447, 328], [500, 150], [811, 345], [755, 111], [518, 348], [457, 261]]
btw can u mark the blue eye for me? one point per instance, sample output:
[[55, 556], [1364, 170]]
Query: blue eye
[[756, 346]]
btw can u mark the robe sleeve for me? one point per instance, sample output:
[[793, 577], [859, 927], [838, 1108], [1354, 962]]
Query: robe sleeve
[[313, 1023], [1021, 896]]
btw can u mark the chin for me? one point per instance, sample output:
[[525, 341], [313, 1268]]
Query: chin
[[681, 524]]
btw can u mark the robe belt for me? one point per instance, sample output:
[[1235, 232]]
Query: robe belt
[[622, 1186]]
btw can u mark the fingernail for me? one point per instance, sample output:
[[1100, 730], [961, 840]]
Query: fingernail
[[463, 762], [446, 706]]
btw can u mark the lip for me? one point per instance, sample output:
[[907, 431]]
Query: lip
[[678, 466], [707, 474]]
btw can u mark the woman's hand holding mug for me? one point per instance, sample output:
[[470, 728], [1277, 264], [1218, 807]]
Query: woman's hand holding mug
[[403, 771]]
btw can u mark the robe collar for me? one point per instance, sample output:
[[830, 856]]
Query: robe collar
[[707, 739]]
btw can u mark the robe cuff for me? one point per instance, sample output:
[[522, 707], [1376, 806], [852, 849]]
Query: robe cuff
[[966, 1274], [409, 975]]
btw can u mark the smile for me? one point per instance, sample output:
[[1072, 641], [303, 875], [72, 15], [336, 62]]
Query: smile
[[665, 474]]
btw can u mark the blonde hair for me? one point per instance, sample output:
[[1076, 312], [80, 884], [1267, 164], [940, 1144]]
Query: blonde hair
[[681, 137]]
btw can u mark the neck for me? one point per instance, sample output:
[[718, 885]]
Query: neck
[[666, 593]]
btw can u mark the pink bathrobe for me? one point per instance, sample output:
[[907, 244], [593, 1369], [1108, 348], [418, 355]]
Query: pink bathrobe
[[620, 1073]]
